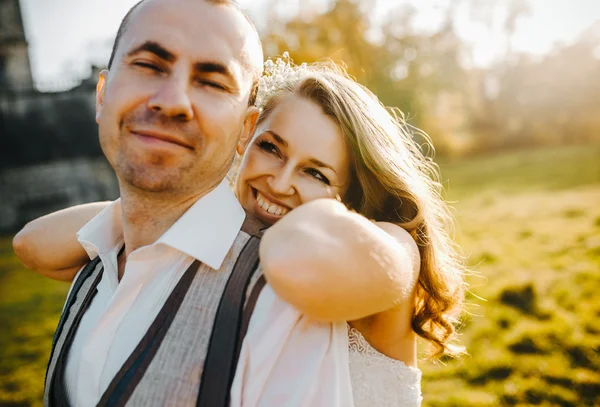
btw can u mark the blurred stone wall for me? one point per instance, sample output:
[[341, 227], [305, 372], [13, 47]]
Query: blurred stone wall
[[34, 190], [50, 157], [38, 127], [15, 70]]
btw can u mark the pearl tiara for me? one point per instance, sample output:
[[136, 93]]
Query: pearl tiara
[[276, 75]]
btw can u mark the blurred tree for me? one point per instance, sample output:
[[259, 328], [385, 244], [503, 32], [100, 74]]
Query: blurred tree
[[518, 101], [539, 101], [405, 69]]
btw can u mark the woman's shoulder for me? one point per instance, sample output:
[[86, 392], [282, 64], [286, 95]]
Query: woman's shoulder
[[378, 379], [359, 345]]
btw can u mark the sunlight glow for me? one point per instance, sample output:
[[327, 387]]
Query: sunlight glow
[[66, 36]]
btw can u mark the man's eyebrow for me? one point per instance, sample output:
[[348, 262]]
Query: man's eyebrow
[[156, 49], [213, 67]]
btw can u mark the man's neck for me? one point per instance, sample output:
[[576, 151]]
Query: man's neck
[[147, 216]]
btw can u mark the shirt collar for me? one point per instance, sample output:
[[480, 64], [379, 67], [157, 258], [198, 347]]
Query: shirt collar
[[104, 233], [208, 229], [205, 232]]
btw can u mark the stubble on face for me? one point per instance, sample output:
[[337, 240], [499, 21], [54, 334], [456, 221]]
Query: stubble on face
[[162, 171], [211, 135]]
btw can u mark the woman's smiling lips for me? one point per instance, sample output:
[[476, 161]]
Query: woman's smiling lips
[[267, 207]]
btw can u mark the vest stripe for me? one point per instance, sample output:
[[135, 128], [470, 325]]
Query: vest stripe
[[221, 361], [58, 394], [85, 273], [173, 360], [88, 269], [248, 309], [128, 377]]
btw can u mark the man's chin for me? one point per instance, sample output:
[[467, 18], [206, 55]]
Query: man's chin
[[153, 180], [152, 185]]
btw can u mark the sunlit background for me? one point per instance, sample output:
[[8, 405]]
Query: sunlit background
[[65, 36], [509, 92]]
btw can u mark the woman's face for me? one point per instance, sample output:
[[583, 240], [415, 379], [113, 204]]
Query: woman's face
[[297, 154]]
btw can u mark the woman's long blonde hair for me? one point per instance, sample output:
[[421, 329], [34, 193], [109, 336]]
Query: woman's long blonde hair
[[392, 181]]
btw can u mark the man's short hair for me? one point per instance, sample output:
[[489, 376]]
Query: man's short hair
[[121, 31], [233, 3]]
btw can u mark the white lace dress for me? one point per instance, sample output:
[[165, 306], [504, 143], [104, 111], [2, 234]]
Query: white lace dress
[[380, 381]]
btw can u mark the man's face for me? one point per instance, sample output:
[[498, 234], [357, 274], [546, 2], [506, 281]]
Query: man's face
[[175, 102]]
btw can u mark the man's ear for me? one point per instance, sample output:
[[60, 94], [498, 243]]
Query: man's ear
[[100, 89], [248, 129]]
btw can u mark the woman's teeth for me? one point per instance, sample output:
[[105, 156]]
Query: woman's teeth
[[270, 206]]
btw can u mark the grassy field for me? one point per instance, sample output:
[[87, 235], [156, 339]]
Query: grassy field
[[29, 309], [530, 224]]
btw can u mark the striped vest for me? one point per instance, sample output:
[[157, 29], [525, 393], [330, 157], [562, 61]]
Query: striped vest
[[189, 354]]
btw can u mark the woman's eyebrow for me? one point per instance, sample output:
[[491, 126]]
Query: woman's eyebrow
[[277, 137], [321, 164], [313, 160]]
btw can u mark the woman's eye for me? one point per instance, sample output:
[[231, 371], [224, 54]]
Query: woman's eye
[[317, 175], [268, 147]]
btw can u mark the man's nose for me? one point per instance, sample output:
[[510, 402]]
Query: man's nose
[[172, 99]]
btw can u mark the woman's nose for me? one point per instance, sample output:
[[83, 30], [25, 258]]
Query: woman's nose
[[282, 182]]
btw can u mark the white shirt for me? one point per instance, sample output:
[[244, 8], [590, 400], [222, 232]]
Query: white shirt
[[288, 359], [121, 312]]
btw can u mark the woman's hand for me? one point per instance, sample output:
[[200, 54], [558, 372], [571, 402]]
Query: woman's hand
[[49, 244]]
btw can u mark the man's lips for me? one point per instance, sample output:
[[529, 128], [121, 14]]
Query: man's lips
[[157, 135]]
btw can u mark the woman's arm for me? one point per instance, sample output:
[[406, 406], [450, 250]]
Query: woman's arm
[[49, 244], [335, 265]]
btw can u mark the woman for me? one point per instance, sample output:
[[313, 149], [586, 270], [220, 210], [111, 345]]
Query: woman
[[389, 267]]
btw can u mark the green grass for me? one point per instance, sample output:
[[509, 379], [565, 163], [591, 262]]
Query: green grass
[[530, 225], [30, 306], [543, 170]]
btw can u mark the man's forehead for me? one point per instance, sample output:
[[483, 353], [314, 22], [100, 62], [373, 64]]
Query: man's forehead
[[193, 28]]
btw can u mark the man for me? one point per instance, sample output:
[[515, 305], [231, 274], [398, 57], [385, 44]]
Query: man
[[171, 109]]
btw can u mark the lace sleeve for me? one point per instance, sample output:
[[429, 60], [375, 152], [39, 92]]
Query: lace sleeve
[[378, 380]]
